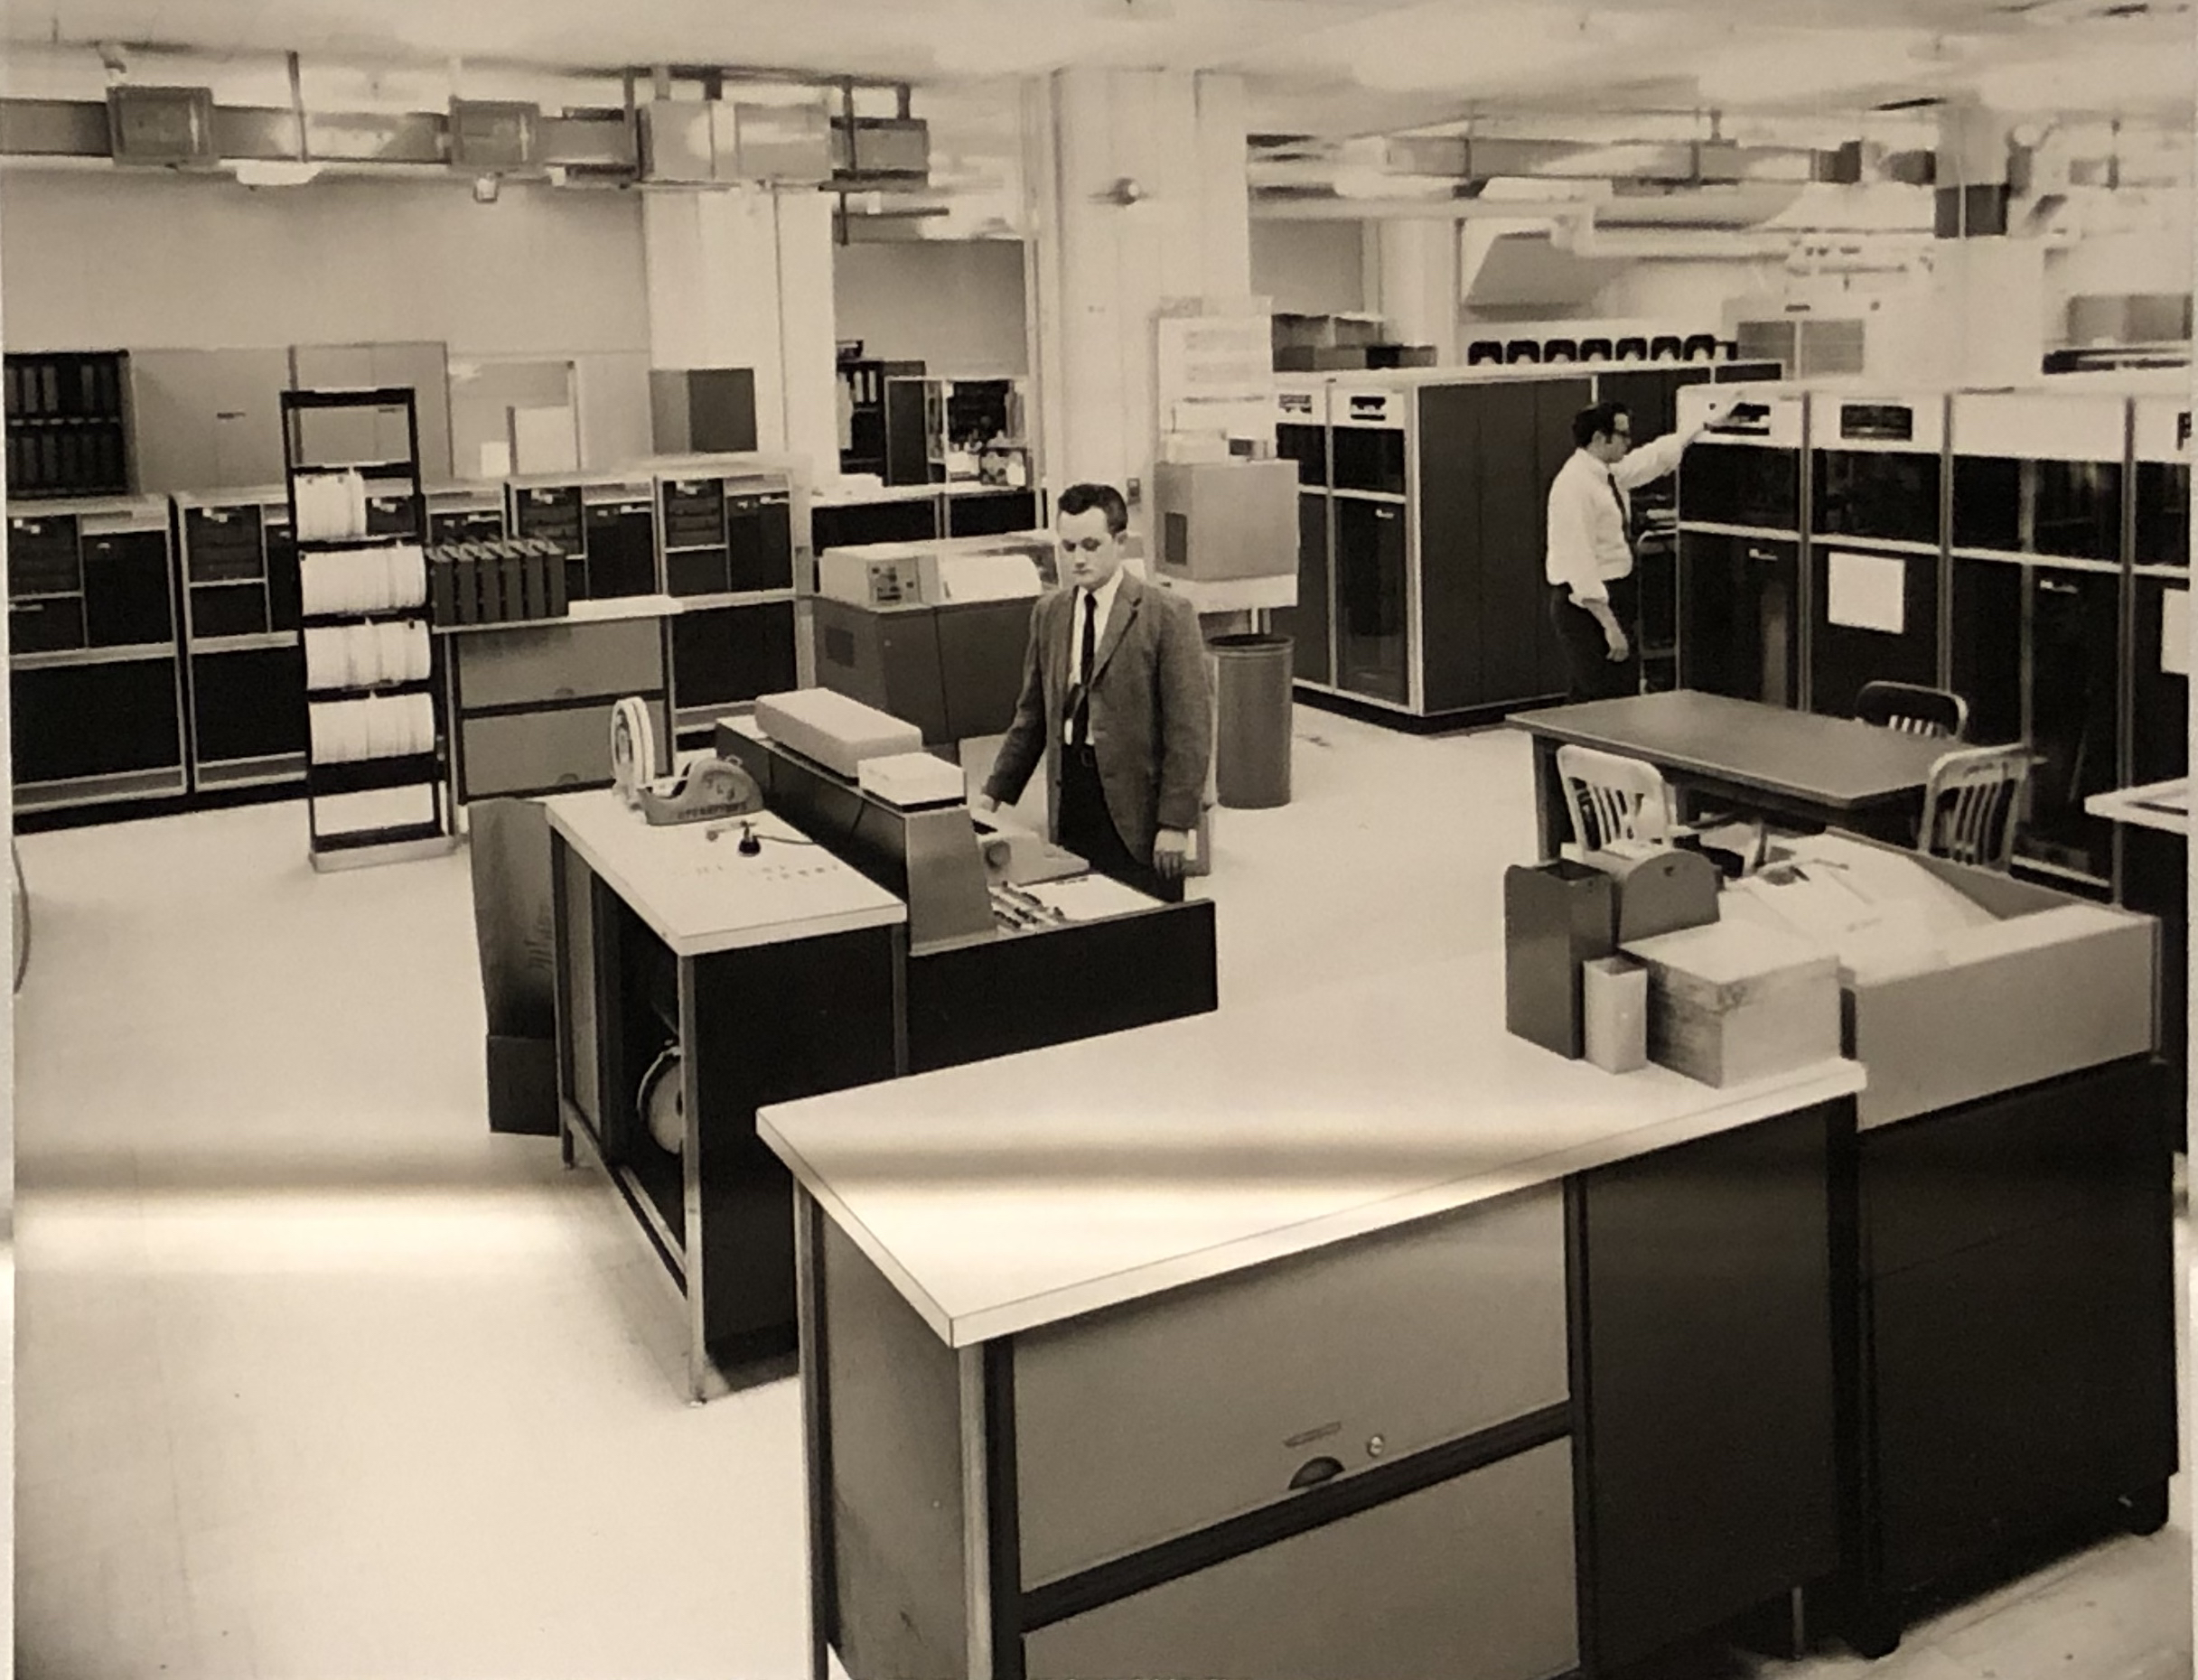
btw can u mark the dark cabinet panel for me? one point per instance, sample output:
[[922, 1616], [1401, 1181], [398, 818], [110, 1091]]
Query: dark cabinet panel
[[249, 705], [1742, 484], [761, 532], [1739, 616], [2163, 513], [850, 524], [1370, 458], [2075, 654], [127, 589], [95, 720], [1369, 589], [284, 584], [993, 514], [1307, 624], [731, 655], [622, 557], [1463, 429], [1886, 493], [228, 610], [1985, 605]]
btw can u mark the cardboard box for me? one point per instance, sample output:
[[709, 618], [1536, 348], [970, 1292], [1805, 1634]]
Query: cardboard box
[[1732, 1001]]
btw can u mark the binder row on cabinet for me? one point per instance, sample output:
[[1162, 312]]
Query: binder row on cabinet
[[497, 582], [2029, 550], [1422, 513]]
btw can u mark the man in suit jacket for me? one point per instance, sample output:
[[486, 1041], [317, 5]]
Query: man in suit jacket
[[1114, 703]]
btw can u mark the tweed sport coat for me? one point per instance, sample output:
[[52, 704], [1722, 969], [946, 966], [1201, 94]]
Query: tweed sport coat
[[1152, 711]]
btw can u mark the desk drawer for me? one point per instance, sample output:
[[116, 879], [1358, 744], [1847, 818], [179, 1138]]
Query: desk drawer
[[535, 751], [1171, 1414], [1469, 1580], [559, 662]]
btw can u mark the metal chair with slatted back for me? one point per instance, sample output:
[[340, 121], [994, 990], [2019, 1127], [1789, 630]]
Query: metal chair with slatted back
[[1913, 710], [1973, 804], [1623, 799]]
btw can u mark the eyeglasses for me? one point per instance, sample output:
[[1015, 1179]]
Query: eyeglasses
[[1090, 545]]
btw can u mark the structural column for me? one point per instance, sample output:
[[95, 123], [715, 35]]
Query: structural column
[[1989, 280], [1417, 284], [1137, 196], [742, 278]]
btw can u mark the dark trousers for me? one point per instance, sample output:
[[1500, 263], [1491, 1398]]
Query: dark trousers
[[1084, 826], [1592, 672]]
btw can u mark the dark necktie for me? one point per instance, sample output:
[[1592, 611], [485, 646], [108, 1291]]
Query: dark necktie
[[1625, 514], [1080, 728]]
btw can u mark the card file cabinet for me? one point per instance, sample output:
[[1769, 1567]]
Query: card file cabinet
[[533, 701]]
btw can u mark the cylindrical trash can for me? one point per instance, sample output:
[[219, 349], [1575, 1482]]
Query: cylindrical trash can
[[1251, 726]]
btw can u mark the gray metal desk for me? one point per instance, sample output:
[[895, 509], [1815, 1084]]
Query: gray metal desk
[[1761, 757]]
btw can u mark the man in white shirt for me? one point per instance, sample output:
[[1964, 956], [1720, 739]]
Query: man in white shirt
[[1115, 705], [1589, 562]]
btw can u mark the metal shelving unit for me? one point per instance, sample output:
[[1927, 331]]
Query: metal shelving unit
[[393, 515]]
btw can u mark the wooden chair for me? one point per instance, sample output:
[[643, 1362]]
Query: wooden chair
[[1621, 798], [1914, 711], [1973, 805]]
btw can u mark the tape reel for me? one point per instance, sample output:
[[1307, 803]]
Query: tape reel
[[633, 749], [661, 1102]]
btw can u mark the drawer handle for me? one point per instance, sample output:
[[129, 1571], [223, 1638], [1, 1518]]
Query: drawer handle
[[569, 779], [561, 694], [1315, 1472]]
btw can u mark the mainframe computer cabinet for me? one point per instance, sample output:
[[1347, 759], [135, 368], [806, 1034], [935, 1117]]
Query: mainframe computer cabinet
[[1423, 499]]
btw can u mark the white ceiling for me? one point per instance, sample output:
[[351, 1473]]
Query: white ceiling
[[1320, 66]]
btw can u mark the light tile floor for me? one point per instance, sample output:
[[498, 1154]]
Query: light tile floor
[[317, 1380]]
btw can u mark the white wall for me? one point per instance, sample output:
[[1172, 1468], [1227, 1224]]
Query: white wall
[[1310, 267], [96, 260], [956, 305]]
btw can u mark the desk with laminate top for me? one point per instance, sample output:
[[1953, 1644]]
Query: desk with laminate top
[[1346, 1334], [1764, 758], [776, 975]]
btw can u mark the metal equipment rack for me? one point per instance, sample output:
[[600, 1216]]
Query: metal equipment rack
[[393, 517]]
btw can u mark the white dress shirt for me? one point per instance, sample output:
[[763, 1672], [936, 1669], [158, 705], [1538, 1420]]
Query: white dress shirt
[[1104, 594], [1589, 513]]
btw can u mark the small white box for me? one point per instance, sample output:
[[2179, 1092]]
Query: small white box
[[1614, 1006], [908, 778]]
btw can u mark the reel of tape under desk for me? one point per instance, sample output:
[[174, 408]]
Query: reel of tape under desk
[[331, 506], [366, 655], [363, 580], [382, 726]]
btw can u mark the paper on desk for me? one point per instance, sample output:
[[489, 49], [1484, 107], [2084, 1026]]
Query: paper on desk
[[2175, 632], [1868, 591], [1090, 898]]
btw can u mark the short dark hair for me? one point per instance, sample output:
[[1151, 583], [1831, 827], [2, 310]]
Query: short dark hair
[[1083, 498], [1600, 421]]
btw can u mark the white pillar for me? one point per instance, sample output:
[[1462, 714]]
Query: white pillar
[[1101, 266], [1419, 283], [743, 279]]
